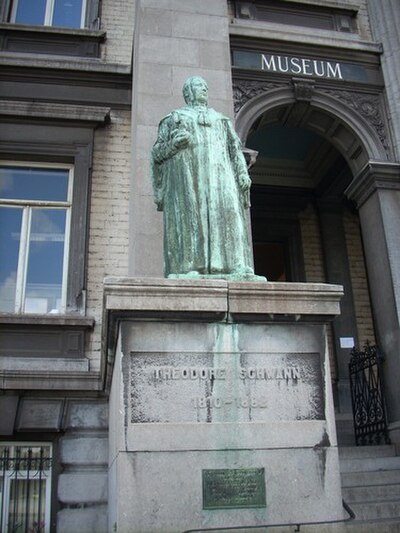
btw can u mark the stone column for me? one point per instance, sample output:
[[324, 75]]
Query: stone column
[[173, 40], [338, 271], [385, 22], [376, 190]]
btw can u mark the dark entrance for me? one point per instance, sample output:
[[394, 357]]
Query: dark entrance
[[300, 221]]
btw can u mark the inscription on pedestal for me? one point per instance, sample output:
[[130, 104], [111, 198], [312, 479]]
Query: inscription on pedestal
[[225, 387], [234, 488]]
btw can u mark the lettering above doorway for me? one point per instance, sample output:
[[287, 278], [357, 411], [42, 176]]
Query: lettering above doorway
[[300, 66]]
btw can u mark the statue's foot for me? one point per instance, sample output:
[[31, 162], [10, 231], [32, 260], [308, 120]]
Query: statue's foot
[[245, 274], [243, 271]]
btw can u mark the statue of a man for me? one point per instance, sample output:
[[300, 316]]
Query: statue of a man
[[201, 184]]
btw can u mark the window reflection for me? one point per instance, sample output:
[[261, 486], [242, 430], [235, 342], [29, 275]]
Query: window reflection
[[45, 261], [67, 13], [10, 232], [29, 12], [27, 183], [62, 13]]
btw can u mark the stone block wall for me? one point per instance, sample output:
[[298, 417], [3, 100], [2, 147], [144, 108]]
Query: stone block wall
[[108, 230], [362, 302], [108, 217], [385, 21], [312, 248], [83, 456], [117, 19]]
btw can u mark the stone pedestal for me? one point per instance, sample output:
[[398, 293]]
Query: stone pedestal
[[221, 410]]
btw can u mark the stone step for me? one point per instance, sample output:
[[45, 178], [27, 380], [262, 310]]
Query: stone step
[[369, 464], [372, 493], [359, 452], [372, 526], [364, 479], [353, 526], [377, 510]]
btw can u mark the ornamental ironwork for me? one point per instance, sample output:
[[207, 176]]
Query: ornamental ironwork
[[367, 395], [25, 491]]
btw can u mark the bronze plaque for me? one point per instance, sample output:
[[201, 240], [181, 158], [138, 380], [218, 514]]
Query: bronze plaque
[[239, 488]]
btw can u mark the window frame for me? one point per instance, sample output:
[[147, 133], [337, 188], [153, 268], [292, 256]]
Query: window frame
[[90, 22], [49, 13], [27, 207], [61, 144], [311, 16]]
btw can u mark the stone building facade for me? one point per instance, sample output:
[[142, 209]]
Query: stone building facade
[[313, 88]]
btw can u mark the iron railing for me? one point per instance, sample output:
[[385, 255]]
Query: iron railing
[[25, 473], [367, 396]]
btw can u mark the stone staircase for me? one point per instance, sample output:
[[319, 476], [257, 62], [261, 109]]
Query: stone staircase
[[371, 487]]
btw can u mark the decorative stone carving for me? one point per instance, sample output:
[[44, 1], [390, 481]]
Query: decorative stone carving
[[368, 106], [244, 90], [303, 89]]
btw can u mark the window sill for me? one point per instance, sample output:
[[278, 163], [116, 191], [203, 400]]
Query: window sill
[[47, 320], [44, 336], [69, 42]]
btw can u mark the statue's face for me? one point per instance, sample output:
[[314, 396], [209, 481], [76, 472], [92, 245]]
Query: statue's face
[[199, 91]]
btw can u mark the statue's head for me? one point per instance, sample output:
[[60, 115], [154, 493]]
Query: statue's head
[[195, 90]]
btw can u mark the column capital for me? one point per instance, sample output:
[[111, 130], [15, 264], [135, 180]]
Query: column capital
[[375, 175]]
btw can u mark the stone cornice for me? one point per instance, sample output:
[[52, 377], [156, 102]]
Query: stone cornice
[[81, 113], [127, 299], [300, 37], [66, 64], [375, 175], [166, 296]]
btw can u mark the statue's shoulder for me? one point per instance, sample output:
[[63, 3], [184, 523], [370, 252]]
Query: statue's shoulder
[[176, 116], [167, 118]]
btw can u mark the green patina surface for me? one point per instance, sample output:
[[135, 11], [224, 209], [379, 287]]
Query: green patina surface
[[201, 184]]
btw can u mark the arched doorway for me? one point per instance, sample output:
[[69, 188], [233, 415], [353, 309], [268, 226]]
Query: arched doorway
[[310, 147]]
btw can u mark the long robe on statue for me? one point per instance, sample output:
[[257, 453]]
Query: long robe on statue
[[199, 190]]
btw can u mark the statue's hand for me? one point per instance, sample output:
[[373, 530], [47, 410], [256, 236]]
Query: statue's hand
[[244, 183], [181, 139]]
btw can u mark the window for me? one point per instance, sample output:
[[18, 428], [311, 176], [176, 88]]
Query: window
[[298, 14], [61, 13], [35, 207], [25, 488]]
